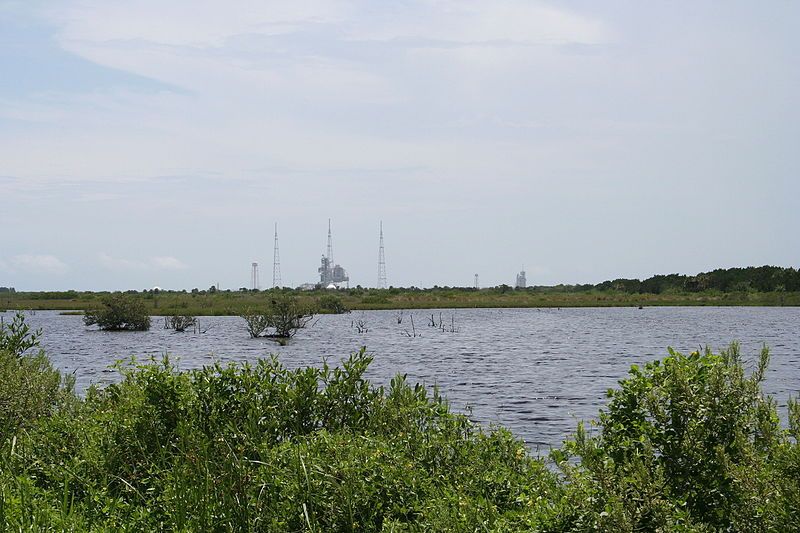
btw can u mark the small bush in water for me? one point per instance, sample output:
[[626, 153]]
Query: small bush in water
[[118, 312]]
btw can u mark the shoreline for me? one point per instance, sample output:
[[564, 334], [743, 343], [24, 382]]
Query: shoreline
[[234, 303]]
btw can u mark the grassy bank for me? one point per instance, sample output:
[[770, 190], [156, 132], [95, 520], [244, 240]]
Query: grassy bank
[[750, 286], [202, 303], [685, 444]]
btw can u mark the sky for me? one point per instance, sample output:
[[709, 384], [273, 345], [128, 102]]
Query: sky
[[147, 143]]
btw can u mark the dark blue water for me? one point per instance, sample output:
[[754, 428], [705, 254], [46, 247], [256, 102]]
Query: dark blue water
[[537, 372]]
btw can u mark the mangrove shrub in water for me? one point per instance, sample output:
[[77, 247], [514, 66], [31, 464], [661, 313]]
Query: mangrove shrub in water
[[284, 315], [119, 312]]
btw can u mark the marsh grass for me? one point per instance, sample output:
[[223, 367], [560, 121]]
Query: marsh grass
[[235, 303]]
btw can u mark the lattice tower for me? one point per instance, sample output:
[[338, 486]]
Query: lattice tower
[[276, 262], [330, 245], [381, 263]]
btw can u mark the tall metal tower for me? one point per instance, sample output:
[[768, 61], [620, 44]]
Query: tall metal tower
[[476, 282], [381, 263], [276, 262], [254, 276], [330, 245]]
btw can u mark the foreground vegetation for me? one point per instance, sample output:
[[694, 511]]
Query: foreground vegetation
[[685, 444]]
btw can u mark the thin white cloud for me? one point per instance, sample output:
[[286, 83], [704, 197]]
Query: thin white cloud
[[91, 197], [271, 84], [251, 46], [202, 24], [212, 25], [114, 262], [41, 111], [45, 264], [470, 22], [168, 263], [152, 263]]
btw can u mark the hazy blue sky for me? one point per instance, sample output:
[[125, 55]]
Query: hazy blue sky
[[152, 143]]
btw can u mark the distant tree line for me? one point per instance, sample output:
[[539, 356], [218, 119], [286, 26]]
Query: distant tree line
[[761, 279], [755, 279], [44, 295]]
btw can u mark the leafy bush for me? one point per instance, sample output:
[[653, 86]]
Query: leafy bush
[[285, 315], [331, 303], [29, 385], [181, 322], [256, 322], [29, 388], [16, 338], [118, 312], [288, 315], [690, 440]]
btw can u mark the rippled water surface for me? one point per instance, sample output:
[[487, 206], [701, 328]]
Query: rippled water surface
[[536, 372]]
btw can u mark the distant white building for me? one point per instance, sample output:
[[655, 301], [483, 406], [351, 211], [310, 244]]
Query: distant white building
[[329, 272], [522, 281]]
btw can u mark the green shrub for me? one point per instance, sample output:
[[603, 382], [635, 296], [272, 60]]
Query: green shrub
[[330, 303], [30, 387], [284, 314], [179, 323], [118, 312], [17, 338], [376, 298], [256, 322], [690, 440]]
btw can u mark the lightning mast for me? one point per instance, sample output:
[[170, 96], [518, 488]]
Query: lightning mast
[[330, 245], [381, 263], [276, 262]]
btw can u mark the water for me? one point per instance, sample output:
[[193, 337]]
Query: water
[[537, 372]]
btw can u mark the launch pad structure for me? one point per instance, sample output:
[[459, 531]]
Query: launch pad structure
[[331, 275]]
